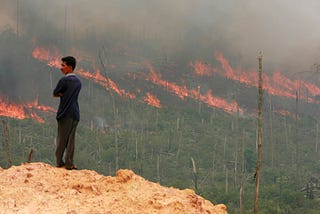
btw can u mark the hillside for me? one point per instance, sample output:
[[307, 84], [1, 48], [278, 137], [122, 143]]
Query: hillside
[[181, 114], [42, 188]]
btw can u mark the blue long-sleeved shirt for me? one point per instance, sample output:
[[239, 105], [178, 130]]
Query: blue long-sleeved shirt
[[68, 89]]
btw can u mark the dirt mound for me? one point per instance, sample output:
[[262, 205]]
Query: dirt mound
[[42, 188]]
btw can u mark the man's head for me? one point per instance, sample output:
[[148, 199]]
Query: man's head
[[68, 64]]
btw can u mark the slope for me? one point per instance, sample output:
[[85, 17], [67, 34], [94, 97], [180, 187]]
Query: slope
[[42, 188]]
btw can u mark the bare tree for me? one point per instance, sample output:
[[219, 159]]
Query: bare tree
[[30, 156], [195, 175], [241, 191], [317, 136], [18, 17], [103, 61], [243, 175], [6, 138], [271, 131], [260, 102], [158, 167]]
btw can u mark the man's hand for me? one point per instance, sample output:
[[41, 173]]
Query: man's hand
[[57, 95]]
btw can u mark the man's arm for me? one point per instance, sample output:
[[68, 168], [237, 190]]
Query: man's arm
[[58, 91]]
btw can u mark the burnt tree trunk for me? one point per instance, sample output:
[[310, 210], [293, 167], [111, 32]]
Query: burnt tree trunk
[[103, 61], [260, 102]]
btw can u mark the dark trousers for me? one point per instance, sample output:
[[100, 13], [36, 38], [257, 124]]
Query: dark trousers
[[66, 141]]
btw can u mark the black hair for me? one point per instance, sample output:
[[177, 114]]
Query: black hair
[[70, 60]]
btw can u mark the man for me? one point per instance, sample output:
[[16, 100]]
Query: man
[[68, 114]]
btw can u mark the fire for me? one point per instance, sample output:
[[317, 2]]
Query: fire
[[182, 92], [53, 60], [285, 113], [152, 100], [22, 111], [43, 54], [230, 107], [36, 117], [35, 105], [277, 84], [105, 82], [11, 110]]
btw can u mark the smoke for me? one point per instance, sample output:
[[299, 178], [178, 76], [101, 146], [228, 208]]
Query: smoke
[[286, 31], [21, 77]]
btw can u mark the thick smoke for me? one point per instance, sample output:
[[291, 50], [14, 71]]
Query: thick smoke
[[286, 31]]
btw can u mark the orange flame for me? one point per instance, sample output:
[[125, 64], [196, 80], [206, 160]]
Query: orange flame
[[217, 102], [12, 110], [36, 117], [43, 54], [53, 60], [182, 92], [285, 113], [105, 82], [35, 105], [277, 84], [152, 100]]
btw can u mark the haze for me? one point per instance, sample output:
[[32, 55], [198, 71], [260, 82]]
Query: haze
[[286, 31]]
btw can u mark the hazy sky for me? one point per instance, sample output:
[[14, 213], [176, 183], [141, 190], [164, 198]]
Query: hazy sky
[[285, 30]]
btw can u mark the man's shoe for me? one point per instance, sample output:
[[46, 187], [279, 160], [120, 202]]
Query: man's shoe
[[72, 167], [61, 165]]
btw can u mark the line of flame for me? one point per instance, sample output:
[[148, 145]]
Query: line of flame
[[18, 111], [182, 92], [277, 84], [53, 60]]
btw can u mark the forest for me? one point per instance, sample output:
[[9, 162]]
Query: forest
[[207, 150], [168, 97]]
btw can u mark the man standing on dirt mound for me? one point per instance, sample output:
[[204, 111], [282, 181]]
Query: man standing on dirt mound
[[68, 114]]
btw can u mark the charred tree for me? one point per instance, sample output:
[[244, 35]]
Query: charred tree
[[271, 131], [243, 175], [317, 137], [260, 104], [297, 129], [103, 61], [30, 156], [18, 17]]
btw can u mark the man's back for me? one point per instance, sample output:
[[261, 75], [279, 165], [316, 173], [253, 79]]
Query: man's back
[[69, 87]]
